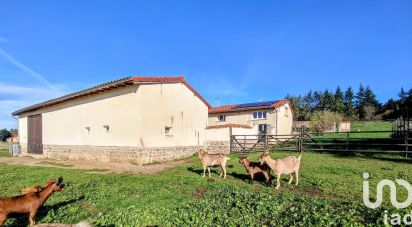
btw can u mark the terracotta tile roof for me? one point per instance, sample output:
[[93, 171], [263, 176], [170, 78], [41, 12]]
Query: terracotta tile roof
[[229, 126], [110, 85], [249, 106]]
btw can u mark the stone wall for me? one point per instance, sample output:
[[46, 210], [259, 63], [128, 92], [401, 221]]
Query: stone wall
[[23, 148], [118, 154], [217, 147]]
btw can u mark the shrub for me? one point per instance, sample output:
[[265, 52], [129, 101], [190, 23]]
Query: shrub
[[324, 120]]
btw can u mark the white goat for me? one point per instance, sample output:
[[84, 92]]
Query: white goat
[[211, 160], [289, 165]]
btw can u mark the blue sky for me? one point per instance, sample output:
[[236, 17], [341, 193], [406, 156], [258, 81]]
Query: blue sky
[[238, 51]]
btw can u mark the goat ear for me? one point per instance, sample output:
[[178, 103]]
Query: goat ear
[[60, 180]]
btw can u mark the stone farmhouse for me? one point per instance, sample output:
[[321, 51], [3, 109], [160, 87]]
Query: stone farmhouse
[[140, 119]]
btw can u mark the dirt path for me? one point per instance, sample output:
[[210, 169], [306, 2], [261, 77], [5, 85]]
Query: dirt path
[[93, 166]]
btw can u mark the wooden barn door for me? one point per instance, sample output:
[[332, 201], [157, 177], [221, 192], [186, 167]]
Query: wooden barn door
[[35, 139]]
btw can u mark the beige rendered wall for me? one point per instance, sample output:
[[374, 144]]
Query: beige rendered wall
[[22, 129], [136, 116], [285, 121]]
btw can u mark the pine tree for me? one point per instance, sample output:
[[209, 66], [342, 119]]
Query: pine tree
[[339, 105], [328, 101], [360, 102], [350, 110], [403, 95], [294, 105], [317, 97], [370, 98]]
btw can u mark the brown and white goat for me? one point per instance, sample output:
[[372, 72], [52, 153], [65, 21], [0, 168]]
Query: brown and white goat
[[28, 203], [212, 160], [289, 165], [255, 167]]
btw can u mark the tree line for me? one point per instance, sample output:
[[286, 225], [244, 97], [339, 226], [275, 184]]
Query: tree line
[[361, 105], [5, 134]]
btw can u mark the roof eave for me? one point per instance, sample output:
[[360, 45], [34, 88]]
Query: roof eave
[[107, 86]]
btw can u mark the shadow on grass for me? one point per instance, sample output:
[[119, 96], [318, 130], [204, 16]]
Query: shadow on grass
[[383, 157], [200, 171], [23, 219], [260, 178]]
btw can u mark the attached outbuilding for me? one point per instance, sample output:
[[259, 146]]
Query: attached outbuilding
[[140, 119]]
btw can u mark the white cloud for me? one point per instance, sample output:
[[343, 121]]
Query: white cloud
[[14, 97], [37, 76], [8, 89]]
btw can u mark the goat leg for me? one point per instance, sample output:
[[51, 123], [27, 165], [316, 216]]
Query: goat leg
[[31, 218], [278, 181], [251, 178], [204, 171], [291, 178], [297, 177], [3, 218], [208, 169], [267, 177]]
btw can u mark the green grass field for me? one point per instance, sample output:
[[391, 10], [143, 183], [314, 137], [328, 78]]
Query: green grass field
[[330, 193], [4, 150], [365, 126]]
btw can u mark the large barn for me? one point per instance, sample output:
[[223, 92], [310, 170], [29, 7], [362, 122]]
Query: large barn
[[143, 119]]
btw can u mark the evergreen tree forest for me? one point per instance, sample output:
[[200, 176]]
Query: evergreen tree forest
[[361, 104]]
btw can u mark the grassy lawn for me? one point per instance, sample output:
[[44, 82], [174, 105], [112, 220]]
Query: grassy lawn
[[363, 126], [371, 126], [330, 193], [4, 150]]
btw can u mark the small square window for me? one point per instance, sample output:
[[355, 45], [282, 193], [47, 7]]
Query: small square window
[[222, 118], [168, 130], [255, 115], [264, 114]]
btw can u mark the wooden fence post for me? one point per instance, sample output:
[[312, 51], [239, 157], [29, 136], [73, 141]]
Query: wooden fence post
[[406, 144], [230, 140], [347, 141], [244, 142], [300, 145]]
